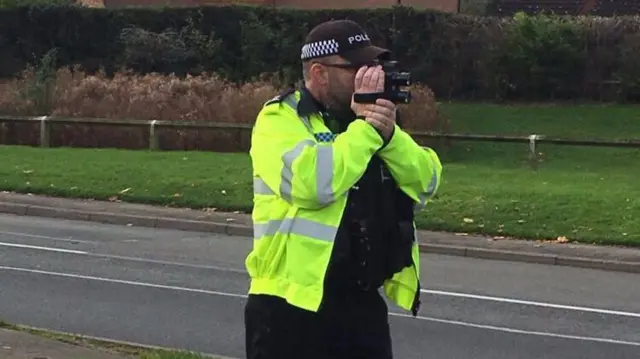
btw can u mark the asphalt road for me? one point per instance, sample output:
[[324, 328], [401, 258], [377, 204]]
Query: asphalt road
[[187, 290]]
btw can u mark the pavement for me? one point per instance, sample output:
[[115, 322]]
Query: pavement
[[552, 253], [15, 344], [186, 289]]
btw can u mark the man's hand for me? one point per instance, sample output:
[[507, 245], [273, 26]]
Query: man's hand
[[367, 80], [382, 114]]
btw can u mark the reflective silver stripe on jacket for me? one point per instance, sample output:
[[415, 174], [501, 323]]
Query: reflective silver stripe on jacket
[[324, 181], [324, 174], [424, 196], [286, 175], [324, 164], [296, 226], [260, 187], [292, 101]]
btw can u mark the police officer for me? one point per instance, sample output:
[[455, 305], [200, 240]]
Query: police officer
[[336, 184]]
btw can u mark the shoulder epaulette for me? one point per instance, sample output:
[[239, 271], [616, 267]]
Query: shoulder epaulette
[[281, 96]]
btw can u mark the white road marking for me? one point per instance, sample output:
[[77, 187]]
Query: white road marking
[[49, 249], [400, 315], [170, 263], [425, 291], [531, 303], [20, 234], [518, 331], [120, 281], [125, 258]]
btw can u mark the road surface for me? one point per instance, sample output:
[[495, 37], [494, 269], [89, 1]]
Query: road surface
[[187, 290]]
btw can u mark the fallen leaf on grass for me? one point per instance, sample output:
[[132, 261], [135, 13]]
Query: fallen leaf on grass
[[125, 190], [467, 220], [176, 195], [27, 171]]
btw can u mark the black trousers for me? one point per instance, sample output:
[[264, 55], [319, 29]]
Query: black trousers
[[351, 325]]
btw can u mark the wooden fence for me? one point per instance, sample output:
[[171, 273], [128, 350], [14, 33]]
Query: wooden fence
[[45, 123]]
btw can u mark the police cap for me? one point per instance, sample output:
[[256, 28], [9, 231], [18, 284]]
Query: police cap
[[345, 38]]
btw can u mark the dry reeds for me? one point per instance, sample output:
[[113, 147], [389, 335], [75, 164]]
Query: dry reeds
[[158, 97]]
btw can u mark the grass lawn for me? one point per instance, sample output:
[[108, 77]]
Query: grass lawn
[[580, 121], [586, 194]]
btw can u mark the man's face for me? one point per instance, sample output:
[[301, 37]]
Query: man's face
[[341, 86], [339, 82]]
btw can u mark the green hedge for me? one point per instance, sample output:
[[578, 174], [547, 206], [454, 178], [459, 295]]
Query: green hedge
[[459, 57]]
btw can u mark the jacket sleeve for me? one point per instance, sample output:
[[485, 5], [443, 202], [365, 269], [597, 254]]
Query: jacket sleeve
[[290, 163], [417, 170]]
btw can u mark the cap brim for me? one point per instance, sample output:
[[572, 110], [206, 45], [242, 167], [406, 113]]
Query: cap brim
[[365, 55]]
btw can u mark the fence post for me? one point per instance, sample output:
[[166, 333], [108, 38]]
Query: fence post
[[533, 154], [154, 143], [45, 131], [5, 136]]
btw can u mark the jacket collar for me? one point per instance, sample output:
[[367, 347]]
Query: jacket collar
[[308, 104]]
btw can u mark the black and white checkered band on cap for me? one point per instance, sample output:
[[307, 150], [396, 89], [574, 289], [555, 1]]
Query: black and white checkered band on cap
[[344, 38], [320, 49]]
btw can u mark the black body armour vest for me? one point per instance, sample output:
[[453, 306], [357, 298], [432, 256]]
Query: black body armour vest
[[376, 232]]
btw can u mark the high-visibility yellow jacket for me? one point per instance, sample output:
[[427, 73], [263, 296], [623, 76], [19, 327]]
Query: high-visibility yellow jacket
[[301, 182]]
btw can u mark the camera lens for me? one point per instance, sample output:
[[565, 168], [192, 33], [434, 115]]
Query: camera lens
[[402, 78], [403, 96]]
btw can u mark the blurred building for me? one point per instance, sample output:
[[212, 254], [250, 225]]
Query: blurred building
[[442, 5], [488, 7]]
